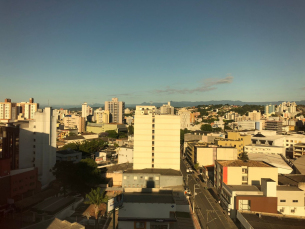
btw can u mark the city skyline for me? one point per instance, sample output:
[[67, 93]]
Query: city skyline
[[74, 52]]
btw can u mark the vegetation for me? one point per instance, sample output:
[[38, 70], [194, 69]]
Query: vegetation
[[96, 197], [88, 147], [196, 166], [210, 120], [130, 130], [182, 132], [244, 156], [112, 134], [243, 110], [79, 177], [206, 127]]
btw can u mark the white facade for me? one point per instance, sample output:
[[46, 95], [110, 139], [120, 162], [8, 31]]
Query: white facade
[[125, 155], [254, 115], [185, 118], [208, 155], [156, 140], [86, 110], [38, 145], [116, 110], [101, 116], [246, 125], [167, 109]]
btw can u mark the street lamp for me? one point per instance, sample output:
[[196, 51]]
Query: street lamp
[[194, 196]]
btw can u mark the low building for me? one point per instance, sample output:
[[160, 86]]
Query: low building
[[103, 127], [274, 125], [265, 149], [147, 210], [125, 155], [68, 155], [298, 150], [290, 200], [238, 172], [274, 160], [151, 178]]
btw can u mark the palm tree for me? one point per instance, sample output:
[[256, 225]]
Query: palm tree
[[96, 197]]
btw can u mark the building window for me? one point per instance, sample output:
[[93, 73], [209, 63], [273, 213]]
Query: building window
[[295, 201], [292, 210], [282, 201], [282, 209], [244, 170], [245, 178], [139, 225]]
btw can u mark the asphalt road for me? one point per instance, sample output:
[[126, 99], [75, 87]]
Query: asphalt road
[[208, 211]]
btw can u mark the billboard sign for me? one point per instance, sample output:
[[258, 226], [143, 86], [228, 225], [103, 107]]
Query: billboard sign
[[115, 202]]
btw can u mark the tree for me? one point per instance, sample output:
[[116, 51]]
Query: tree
[[64, 172], [196, 166], [206, 127], [182, 132], [244, 156], [96, 197], [112, 134], [130, 130]]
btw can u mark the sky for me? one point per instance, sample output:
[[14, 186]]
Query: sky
[[74, 51]]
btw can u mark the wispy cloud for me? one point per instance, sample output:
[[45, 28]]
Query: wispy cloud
[[123, 94], [206, 85]]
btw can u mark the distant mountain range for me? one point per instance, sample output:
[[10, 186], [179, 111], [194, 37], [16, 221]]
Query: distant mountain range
[[180, 104]]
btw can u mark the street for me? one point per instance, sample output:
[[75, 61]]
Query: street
[[208, 211]]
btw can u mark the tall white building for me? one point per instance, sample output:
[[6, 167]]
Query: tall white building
[[38, 144], [185, 118], [101, 116], [255, 115], [156, 139], [86, 110], [116, 110]]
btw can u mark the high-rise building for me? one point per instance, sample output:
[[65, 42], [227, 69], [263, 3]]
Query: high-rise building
[[37, 144], [26, 110], [274, 125], [185, 117], [116, 110], [167, 109], [74, 122], [86, 110], [254, 115], [8, 111], [156, 139], [101, 116]]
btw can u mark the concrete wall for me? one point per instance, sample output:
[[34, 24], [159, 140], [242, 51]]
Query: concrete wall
[[226, 153], [147, 210], [205, 156], [255, 174], [125, 155], [167, 181], [234, 175], [289, 205]]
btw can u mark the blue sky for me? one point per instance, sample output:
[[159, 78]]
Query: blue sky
[[70, 52]]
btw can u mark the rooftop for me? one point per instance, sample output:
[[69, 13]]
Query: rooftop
[[272, 159], [148, 198], [164, 172], [287, 188], [243, 188], [239, 163], [273, 221]]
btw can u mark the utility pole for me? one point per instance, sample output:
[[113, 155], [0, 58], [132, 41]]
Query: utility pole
[[194, 197]]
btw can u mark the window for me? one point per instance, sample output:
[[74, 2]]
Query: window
[[139, 225], [282, 201], [295, 201], [245, 178], [292, 210], [282, 209], [245, 170]]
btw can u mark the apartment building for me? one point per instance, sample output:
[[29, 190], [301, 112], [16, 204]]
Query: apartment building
[[8, 111], [167, 109], [238, 172], [74, 122], [235, 139], [185, 117], [37, 144], [86, 110], [298, 150], [274, 125], [254, 115], [116, 110], [26, 110], [290, 200], [101, 116], [156, 139]]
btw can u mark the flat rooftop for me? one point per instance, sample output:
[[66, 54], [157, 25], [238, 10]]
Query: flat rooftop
[[164, 172], [239, 163], [148, 198], [272, 159], [287, 188], [243, 188], [273, 221]]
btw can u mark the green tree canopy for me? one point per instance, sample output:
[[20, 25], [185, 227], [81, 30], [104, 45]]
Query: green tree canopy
[[206, 127], [112, 134], [130, 130], [244, 156], [182, 132]]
